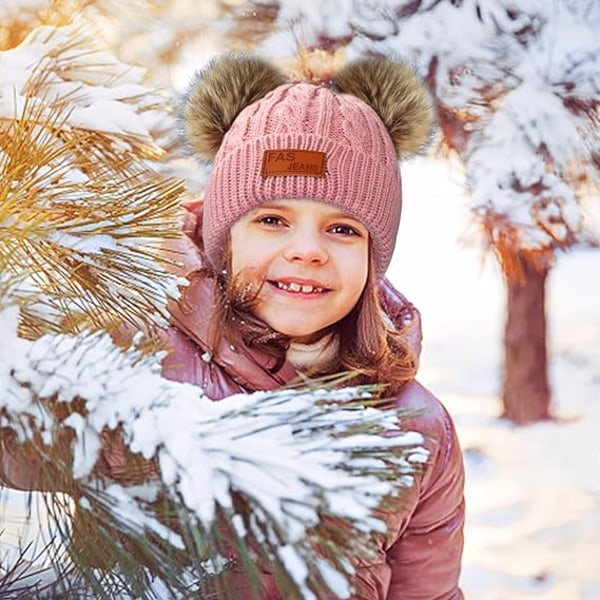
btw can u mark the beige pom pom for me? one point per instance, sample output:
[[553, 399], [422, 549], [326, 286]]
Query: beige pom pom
[[396, 94], [219, 93]]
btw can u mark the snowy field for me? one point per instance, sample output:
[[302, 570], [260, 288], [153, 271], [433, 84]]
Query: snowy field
[[533, 493]]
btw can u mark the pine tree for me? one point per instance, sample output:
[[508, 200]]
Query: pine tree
[[518, 100]]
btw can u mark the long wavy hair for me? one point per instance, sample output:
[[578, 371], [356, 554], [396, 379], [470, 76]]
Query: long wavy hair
[[369, 346]]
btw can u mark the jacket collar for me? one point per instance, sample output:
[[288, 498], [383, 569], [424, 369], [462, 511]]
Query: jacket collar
[[249, 367]]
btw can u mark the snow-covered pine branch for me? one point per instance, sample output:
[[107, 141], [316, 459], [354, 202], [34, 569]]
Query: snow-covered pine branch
[[277, 467], [57, 67], [85, 214], [521, 85]]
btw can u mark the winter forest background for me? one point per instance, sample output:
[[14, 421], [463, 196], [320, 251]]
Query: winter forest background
[[500, 220]]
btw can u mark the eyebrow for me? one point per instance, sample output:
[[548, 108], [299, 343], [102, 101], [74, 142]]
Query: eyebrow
[[268, 206], [342, 215], [338, 214]]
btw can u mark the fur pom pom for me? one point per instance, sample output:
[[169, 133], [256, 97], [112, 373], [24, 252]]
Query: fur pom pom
[[396, 94], [219, 93]]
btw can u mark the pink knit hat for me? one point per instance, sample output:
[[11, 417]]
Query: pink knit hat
[[300, 141]]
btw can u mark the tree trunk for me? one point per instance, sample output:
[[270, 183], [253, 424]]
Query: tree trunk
[[526, 393]]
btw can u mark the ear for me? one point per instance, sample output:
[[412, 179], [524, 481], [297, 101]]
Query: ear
[[218, 93], [396, 94]]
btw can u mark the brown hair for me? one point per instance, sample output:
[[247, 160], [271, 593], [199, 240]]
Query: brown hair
[[375, 352]]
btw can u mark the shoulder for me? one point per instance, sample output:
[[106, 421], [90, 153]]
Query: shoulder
[[188, 362], [429, 413]]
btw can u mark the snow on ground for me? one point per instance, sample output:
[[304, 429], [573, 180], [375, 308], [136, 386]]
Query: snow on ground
[[533, 493]]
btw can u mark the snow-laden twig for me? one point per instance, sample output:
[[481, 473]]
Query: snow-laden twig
[[84, 213], [271, 464]]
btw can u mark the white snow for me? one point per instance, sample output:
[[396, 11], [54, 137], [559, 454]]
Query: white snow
[[10, 6], [274, 449], [516, 69], [104, 94]]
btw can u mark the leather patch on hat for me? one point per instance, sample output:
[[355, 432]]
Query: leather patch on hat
[[289, 161]]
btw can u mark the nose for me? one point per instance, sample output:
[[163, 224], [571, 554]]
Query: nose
[[305, 245]]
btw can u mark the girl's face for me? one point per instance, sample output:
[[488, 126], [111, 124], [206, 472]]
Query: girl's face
[[314, 259]]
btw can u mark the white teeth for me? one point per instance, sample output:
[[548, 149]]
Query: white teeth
[[296, 287]]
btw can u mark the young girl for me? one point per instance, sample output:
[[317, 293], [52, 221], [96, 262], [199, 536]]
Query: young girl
[[291, 242], [294, 235]]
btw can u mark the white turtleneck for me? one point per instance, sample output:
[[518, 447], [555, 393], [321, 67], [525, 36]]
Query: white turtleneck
[[314, 356]]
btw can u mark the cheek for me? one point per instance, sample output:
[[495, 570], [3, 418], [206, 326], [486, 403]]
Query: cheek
[[356, 275], [360, 268], [247, 259], [234, 261], [247, 248], [247, 263], [240, 255], [360, 286]]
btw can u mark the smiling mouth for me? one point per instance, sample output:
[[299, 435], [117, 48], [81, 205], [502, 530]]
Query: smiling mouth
[[298, 288]]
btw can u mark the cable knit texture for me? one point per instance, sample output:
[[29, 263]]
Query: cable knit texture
[[361, 171]]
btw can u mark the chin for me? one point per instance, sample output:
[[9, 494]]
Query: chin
[[303, 335], [295, 326], [292, 329], [296, 334]]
